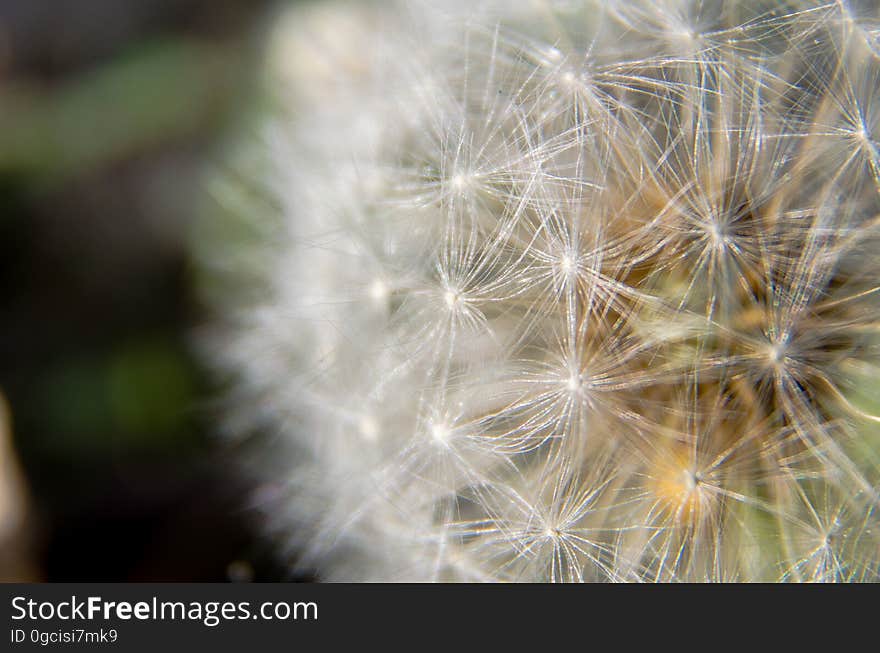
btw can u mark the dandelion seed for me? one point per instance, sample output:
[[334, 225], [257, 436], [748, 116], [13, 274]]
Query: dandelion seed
[[378, 290], [452, 299], [440, 433], [368, 428]]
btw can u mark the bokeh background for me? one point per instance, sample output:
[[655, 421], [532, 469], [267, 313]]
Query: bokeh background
[[110, 112]]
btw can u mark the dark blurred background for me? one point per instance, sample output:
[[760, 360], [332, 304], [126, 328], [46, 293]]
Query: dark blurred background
[[109, 112]]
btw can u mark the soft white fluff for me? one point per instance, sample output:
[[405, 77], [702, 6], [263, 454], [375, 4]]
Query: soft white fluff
[[569, 290]]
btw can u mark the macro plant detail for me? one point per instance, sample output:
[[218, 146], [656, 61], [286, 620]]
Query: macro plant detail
[[564, 290]]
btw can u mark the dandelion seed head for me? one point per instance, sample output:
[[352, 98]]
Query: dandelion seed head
[[566, 290]]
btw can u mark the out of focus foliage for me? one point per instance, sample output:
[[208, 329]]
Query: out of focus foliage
[[107, 120]]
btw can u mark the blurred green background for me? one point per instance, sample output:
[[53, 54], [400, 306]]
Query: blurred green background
[[110, 111]]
